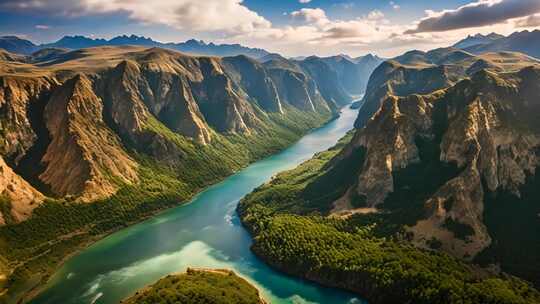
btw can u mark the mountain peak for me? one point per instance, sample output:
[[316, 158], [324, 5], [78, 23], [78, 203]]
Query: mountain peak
[[477, 39]]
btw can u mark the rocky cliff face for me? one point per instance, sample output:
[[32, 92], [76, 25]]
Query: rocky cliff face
[[17, 197], [252, 76], [17, 95], [353, 73], [70, 120], [485, 126], [327, 80], [417, 72], [87, 150]]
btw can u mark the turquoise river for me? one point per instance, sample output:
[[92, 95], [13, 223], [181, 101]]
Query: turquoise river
[[206, 232]]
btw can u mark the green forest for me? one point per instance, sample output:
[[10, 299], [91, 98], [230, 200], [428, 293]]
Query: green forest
[[367, 254], [60, 227], [198, 287]]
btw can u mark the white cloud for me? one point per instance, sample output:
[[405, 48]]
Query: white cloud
[[312, 31], [42, 27], [304, 1], [311, 15], [227, 16]]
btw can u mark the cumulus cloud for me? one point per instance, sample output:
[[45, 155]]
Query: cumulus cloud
[[227, 16], [476, 14], [304, 1], [311, 15], [318, 31]]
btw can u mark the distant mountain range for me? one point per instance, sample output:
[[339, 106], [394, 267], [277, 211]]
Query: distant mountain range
[[476, 40], [21, 46], [526, 42], [14, 44], [353, 73]]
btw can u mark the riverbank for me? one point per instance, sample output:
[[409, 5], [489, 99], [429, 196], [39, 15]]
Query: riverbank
[[198, 285], [294, 231], [128, 207], [204, 233]]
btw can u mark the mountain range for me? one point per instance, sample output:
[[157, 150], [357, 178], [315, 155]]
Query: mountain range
[[353, 72], [97, 134], [432, 198], [197, 47], [526, 42], [477, 39], [83, 130]]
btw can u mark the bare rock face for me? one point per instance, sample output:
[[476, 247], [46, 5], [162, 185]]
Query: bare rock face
[[124, 101], [401, 120], [17, 94], [68, 119], [417, 72], [85, 156], [224, 108], [489, 130], [253, 77], [22, 197], [294, 88]]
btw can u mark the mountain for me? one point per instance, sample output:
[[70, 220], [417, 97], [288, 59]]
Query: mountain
[[192, 46], [199, 286], [464, 133], [271, 56], [434, 199], [477, 39], [211, 49], [424, 72], [17, 45], [353, 73], [94, 139], [524, 42]]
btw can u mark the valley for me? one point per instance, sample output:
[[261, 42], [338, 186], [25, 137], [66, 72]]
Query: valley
[[410, 205], [97, 139], [288, 152]]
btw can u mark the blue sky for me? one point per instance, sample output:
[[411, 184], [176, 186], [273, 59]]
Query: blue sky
[[291, 27]]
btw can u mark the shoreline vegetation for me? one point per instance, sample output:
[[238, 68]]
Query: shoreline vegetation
[[198, 285], [56, 235], [295, 234]]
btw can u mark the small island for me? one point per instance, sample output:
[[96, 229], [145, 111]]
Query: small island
[[210, 286]]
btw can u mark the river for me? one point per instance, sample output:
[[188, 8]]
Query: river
[[206, 232]]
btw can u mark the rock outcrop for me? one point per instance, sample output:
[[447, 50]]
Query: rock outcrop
[[17, 95], [418, 72], [70, 121], [18, 197], [89, 154], [485, 125]]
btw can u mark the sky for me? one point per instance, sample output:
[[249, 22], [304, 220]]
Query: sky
[[290, 27]]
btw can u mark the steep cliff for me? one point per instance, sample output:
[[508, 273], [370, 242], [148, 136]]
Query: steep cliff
[[18, 94], [17, 197], [418, 72], [95, 139], [484, 126], [89, 154], [354, 73]]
